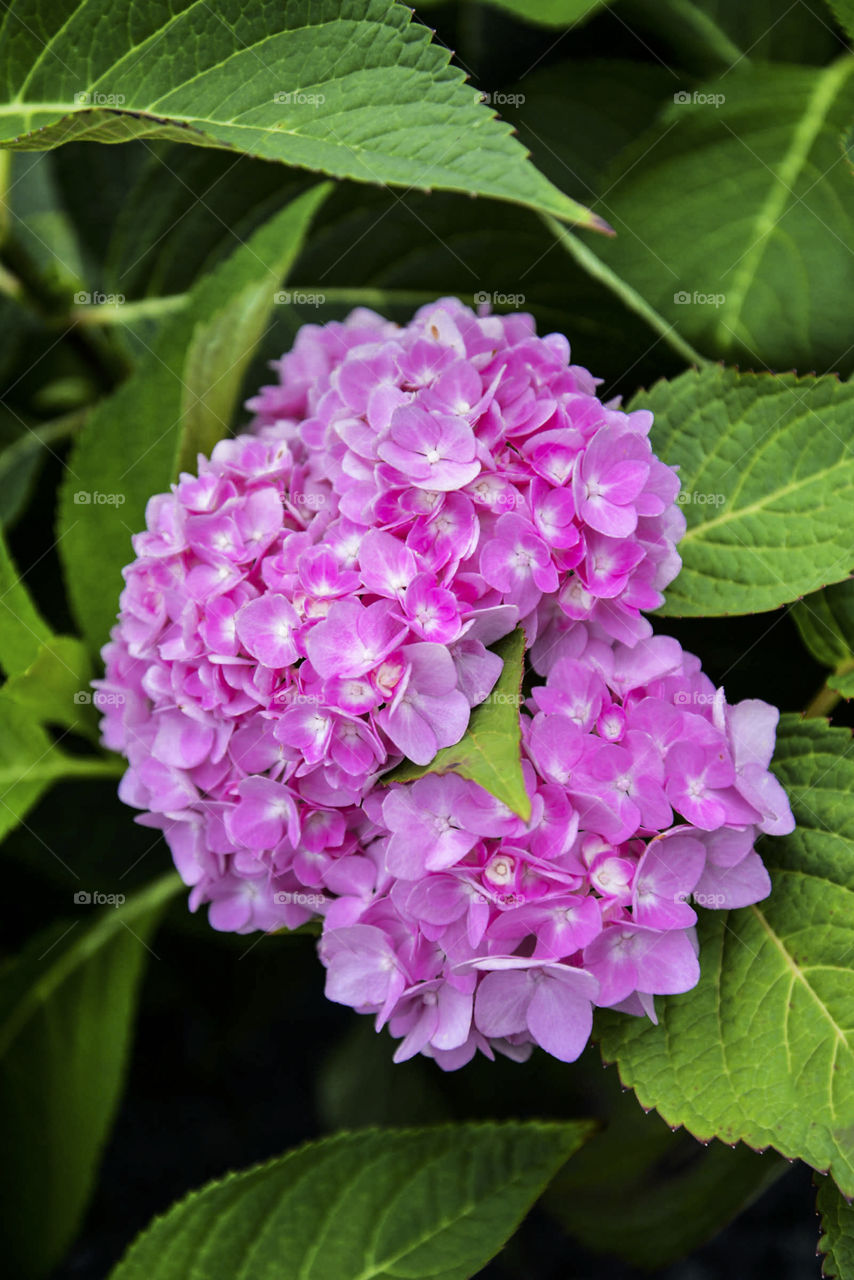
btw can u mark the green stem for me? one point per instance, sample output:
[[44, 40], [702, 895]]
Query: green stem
[[127, 312], [826, 700], [595, 267], [91, 767]]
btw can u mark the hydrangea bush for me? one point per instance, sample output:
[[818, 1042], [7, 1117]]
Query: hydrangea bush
[[316, 604], [412, 743]]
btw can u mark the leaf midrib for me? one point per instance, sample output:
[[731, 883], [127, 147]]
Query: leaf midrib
[[798, 976], [828, 85], [767, 499]]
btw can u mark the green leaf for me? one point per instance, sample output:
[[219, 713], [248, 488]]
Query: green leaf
[[353, 89], [843, 11], [551, 13], [66, 1012], [39, 227], [163, 237], [825, 620], [715, 34], [371, 1205], [24, 447], [762, 1050], [836, 1242], [734, 218], [576, 159], [489, 753], [179, 401], [842, 682], [26, 764], [54, 689], [584, 256], [30, 762], [767, 484], [22, 629]]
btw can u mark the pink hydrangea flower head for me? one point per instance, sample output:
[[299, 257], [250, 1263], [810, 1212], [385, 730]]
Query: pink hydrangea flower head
[[318, 603]]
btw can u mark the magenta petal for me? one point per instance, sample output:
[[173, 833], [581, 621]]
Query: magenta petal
[[266, 629], [455, 1016], [501, 1003], [725, 888], [666, 963], [560, 1018], [181, 741]]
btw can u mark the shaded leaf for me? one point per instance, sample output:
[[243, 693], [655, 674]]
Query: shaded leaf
[[603, 124], [825, 620], [66, 1012], [843, 11], [22, 629], [24, 447], [437, 1202], [734, 218], [39, 226], [551, 13], [836, 1242], [714, 34]]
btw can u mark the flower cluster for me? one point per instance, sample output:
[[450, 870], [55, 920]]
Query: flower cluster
[[488, 459], [466, 928], [317, 604]]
